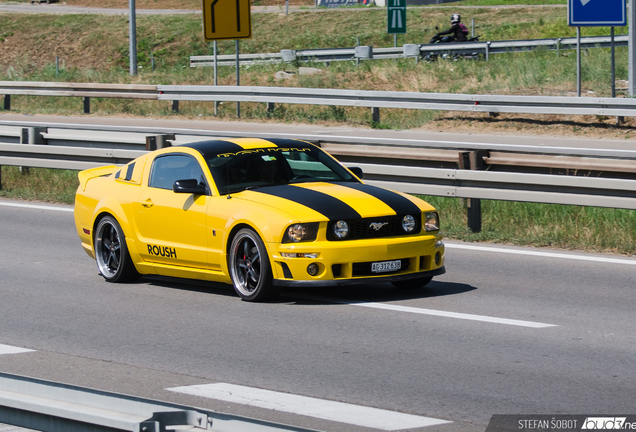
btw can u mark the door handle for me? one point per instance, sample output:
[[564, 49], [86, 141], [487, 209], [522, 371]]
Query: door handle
[[147, 203]]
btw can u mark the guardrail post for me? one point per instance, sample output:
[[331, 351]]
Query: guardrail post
[[31, 135], [375, 115], [364, 52], [7, 102], [270, 108], [487, 50], [155, 142], [87, 105], [288, 56], [411, 50], [473, 161], [175, 106]]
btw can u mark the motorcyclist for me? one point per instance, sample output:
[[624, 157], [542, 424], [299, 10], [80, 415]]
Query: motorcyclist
[[456, 33]]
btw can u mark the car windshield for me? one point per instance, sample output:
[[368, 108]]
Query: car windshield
[[261, 167]]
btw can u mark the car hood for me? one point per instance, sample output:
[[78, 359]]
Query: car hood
[[319, 201]]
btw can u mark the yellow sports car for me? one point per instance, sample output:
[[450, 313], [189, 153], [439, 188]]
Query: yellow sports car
[[258, 214]]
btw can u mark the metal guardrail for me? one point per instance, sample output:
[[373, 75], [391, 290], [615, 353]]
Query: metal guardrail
[[34, 88], [505, 186], [403, 100], [619, 107], [60, 157], [349, 54], [55, 407], [83, 90], [500, 171]]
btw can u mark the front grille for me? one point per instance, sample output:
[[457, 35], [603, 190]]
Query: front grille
[[362, 229], [364, 269]]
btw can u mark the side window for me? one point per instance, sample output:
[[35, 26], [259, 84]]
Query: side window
[[172, 167]]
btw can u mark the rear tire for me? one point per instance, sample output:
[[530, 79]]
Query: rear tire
[[413, 283], [111, 253], [250, 268]]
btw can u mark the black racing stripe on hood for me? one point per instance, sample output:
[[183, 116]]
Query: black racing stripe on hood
[[397, 202], [332, 208], [214, 147]]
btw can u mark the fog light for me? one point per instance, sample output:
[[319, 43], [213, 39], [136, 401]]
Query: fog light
[[341, 229], [408, 223], [438, 258], [312, 269]]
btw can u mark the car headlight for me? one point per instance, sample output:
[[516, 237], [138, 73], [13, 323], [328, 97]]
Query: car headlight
[[431, 221], [301, 232], [408, 223], [341, 229]]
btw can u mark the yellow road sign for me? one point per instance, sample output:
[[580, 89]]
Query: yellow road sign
[[227, 19]]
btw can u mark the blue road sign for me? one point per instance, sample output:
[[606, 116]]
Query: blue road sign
[[597, 13]]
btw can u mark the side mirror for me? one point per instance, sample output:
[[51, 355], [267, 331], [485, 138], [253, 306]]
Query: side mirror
[[190, 186], [357, 171]]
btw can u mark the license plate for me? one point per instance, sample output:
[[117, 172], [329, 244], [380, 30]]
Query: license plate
[[386, 266]]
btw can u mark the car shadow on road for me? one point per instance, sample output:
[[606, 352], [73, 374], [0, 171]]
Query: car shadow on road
[[373, 293], [193, 285]]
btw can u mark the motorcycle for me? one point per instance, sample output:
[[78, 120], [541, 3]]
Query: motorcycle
[[434, 55]]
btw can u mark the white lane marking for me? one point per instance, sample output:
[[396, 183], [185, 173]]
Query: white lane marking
[[433, 312], [8, 349], [35, 206], [312, 407], [541, 254], [464, 316]]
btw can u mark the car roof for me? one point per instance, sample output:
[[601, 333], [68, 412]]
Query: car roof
[[232, 145]]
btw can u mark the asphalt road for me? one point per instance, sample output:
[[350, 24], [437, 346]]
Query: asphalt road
[[505, 331]]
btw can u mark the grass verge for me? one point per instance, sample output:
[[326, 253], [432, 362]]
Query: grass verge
[[38, 184], [524, 224]]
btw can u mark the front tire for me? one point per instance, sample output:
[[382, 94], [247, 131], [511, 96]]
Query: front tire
[[250, 268], [111, 253]]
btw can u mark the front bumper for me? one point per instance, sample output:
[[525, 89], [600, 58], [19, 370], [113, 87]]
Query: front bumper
[[350, 262], [339, 282]]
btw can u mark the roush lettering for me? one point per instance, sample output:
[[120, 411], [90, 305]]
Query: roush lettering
[[163, 251]]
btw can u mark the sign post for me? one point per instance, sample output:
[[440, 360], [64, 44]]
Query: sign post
[[632, 48], [396, 18], [227, 19], [597, 13], [132, 35]]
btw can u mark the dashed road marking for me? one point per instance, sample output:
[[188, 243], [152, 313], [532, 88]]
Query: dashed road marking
[[312, 407], [447, 314], [36, 206], [433, 312], [8, 349], [541, 253]]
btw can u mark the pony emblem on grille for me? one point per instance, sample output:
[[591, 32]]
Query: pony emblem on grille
[[377, 225]]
